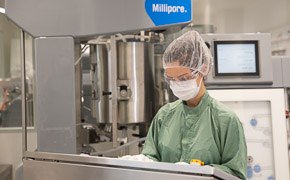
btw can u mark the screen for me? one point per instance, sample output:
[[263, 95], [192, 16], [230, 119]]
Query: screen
[[236, 58]]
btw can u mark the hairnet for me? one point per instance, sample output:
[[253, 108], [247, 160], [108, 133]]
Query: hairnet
[[190, 51]]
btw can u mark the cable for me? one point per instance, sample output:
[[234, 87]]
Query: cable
[[87, 108], [118, 148], [80, 58]]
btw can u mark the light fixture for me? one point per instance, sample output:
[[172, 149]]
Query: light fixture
[[2, 10]]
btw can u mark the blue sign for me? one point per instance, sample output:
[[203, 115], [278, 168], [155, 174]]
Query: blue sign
[[165, 12]]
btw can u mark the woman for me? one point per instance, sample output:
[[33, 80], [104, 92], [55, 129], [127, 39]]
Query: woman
[[196, 126]]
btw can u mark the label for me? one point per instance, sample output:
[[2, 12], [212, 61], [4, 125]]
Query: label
[[165, 12]]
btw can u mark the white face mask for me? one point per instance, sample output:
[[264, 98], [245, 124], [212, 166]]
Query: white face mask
[[185, 90]]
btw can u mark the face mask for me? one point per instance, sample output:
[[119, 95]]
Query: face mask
[[185, 90]]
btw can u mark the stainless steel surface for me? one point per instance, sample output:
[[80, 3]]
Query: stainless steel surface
[[5, 172], [265, 64], [79, 18], [277, 68], [113, 80], [81, 135], [286, 71], [163, 93], [280, 67], [23, 93], [100, 83], [159, 88], [55, 94], [66, 164], [135, 82], [35, 170]]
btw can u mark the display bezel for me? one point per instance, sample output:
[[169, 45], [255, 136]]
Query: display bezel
[[216, 68]]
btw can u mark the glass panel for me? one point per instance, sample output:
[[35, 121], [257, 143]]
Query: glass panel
[[11, 94], [10, 75], [257, 123]]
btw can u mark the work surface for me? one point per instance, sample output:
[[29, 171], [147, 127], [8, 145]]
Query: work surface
[[63, 166]]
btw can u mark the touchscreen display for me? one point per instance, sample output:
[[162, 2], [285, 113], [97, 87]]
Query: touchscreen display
[[236, 58]]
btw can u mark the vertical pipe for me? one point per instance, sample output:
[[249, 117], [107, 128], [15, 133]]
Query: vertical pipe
[[23, 91], [93, 79], [113, 77], [78, 88], [287, 109]]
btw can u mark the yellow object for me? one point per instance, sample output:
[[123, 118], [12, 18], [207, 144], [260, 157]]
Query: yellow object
[[196, 162]]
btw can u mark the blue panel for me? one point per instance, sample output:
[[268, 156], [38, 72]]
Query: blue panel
[[165, 12]]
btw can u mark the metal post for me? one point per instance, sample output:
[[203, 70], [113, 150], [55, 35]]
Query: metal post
[[23, 91], [287, 110], [114, 109], [78, 89]]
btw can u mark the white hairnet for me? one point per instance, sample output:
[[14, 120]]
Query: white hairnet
[[190, 51]]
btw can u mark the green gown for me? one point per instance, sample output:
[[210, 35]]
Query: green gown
[[210, 132]]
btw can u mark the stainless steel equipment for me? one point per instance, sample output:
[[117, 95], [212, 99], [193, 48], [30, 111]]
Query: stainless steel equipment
[[163, 93], [160, 90], [48, 166], [135, 82], [257, 93], [100, 83], [259, 57], [57, 39], [135, 79]]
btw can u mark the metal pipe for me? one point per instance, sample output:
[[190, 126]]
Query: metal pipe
[[93, 79], [78, 88], [23, 90], [287, 110], [114, 110]]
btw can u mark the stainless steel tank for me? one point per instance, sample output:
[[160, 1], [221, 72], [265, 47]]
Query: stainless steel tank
[[135, 82], [163, 93], [160, 89], [100, 83]]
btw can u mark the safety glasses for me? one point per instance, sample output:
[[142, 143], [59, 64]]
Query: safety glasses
[[184, 77]]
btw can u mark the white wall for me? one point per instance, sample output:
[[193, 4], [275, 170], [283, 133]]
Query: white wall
[[230, 16], [248, 16], [265, 15]]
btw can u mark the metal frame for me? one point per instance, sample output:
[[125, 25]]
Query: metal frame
[[113, 80], [63, 166], [23, 90], [265, 65]]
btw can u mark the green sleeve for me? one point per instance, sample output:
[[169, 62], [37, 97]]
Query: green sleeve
[[234, 149], [150, 148]]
